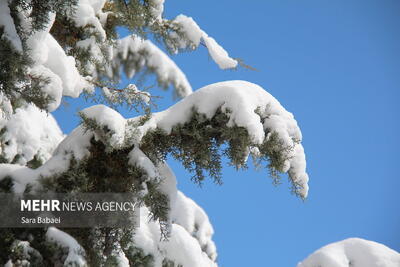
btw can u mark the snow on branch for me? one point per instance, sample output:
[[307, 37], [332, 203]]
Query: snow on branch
[[28, 135], [89, 14], [186, 213], [22, 254], [190, 35], [353, 252], [192, 217], [50, 63], [76, 254], [136, 54], [194, 251], [156, 8], [110, 123], [262, 127], [7, 23]]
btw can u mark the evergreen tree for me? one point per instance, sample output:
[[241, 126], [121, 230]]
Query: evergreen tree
[[51, 49]]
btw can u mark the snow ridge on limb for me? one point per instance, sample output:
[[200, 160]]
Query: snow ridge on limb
[[354, 252], [193, 35], [23, 255], [50, 63], [135, 54], [10, 33], [193, 252], [28, 134], [76, 254], [271, 132], [186, 213], [74, 146], [190, 230], [193, 219]]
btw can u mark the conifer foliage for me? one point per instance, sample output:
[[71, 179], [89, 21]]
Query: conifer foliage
[[52, 49]]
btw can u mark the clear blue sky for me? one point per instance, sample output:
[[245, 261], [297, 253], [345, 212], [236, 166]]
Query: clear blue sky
[[336, 66]]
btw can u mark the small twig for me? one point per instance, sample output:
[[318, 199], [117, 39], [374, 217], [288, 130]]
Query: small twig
[[242, 64]]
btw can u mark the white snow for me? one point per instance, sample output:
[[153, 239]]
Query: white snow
[[52, 87], [190, 227], [109, 118], [122, 260], [168, 184], [219, 54], [138, 158], [64, 67], [194, 220], [76, 253], [152, 57], [51, 62], [5, 106], [156, 9], [90, 17], [10, 33], [85, 15], [29, 132], [192, 31], [21, 176], [195, 34], [353, 252], [25, 251], [94, 49], [190, 253], [75, 144]]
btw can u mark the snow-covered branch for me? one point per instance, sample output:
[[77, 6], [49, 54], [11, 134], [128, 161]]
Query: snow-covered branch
[[272, 132]]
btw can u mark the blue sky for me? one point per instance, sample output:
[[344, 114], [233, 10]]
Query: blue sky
[[335, 65]]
